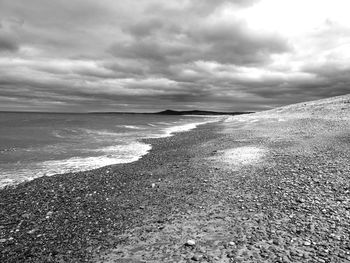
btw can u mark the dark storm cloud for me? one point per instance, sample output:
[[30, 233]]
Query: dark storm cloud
[[7, 43], [152, 54], [232, 44]]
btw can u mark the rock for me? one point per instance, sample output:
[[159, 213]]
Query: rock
[[190, 243], [153, 185], [307, 243], [49, 214], [285, 259], [202, 250], [275, 242], [232, 243], [31, 231], [196, 257], [26, 215], [3, 240]]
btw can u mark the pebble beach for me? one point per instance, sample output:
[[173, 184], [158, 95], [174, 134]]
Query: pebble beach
[[267, 187]]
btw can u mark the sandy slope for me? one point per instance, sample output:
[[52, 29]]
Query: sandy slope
[[276, 188]]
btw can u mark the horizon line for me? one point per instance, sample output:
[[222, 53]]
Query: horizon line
[[120, 112]]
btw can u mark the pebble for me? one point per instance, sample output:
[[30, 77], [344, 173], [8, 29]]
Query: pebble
[[26, 215], [285, 259], [31, 231], [196, 258], [49, 214], [252, 235], [190, 242]]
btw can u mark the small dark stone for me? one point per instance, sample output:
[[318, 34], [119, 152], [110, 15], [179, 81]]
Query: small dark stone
[[196, 257]]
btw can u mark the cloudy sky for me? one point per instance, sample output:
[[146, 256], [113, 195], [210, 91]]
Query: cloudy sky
[[148, 55]]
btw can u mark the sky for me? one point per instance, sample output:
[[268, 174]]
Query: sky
[[150, 55]]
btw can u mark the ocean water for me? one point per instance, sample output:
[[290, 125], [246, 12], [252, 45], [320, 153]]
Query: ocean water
[[38, 144]]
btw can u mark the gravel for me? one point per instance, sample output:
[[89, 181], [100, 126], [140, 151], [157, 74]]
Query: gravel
[[72, 217], [291, 204]]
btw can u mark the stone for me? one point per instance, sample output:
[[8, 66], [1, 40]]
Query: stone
[[285, 259], [307, 243], [31, 231], [196, 257], [275, 242], [26, 215], [190, 243], [232, 243], [49, 214]]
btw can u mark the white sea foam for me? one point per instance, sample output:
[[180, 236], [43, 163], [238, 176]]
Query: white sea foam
[[170, 131], [164, 123], [109, 155], [133, 127], [91, 150], [112, 155], [131, 149], [100, 132]]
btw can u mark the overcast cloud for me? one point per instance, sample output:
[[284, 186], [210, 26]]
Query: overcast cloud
[[148, 55]]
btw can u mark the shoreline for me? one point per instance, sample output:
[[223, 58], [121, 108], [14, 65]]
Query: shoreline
[[70, 216], [251, 188], [167, 132]]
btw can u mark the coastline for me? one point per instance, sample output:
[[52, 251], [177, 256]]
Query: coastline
[[69, 217], [267, 187], [116, 150]]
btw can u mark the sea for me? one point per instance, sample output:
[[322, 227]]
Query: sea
[[43, 144]]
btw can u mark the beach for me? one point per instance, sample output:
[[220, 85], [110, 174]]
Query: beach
[[267, 187], [69, 217]]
